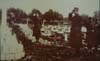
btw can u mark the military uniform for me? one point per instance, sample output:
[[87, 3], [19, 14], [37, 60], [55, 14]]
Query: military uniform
[[75, 38]]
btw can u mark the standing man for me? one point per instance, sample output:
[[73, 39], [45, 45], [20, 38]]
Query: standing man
[[75, 38], [37, 23]]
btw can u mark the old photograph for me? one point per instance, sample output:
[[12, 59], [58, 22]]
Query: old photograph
[[49, 30]]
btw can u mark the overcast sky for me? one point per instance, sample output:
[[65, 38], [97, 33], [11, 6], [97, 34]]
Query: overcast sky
[[62, 6]]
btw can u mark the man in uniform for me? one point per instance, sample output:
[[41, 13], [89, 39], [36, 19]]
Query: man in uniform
[[37, 22], [75, 38]]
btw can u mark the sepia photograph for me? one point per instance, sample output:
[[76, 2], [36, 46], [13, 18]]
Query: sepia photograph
[[49, 30]]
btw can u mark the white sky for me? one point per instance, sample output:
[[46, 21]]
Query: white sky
[[62, 6]]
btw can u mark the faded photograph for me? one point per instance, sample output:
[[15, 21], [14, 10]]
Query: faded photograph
[[49, 30]]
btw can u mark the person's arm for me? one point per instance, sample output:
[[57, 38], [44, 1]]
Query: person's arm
[[70, 16]]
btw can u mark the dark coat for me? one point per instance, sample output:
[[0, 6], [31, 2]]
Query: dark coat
[[75, 38]]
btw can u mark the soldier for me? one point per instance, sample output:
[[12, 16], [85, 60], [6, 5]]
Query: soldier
[[37, 22], [75, 38], [95, 24]]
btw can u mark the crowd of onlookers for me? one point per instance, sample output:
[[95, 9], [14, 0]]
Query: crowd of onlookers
[[51, 28]]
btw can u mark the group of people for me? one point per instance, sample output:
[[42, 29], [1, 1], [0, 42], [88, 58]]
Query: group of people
[[91, 39], [35, 21]]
